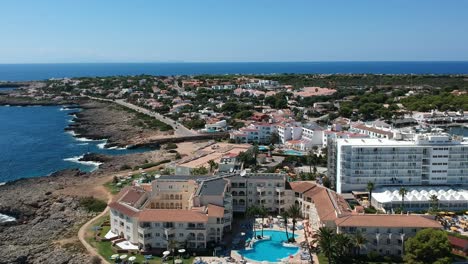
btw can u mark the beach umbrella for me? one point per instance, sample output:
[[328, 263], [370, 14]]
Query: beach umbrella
[[242, 234], [167, 252], [466, 212], [132, 258], [123, 256], [115, 256], [181, 250]]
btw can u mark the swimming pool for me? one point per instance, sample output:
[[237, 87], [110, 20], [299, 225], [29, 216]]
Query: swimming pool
[[292, 152], [269, 250]]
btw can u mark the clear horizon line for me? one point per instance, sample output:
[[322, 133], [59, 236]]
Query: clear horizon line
[[151, 62]]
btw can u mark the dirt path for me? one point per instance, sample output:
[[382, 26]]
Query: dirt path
[[95, 187]]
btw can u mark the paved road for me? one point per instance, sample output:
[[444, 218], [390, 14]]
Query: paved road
[[179, 129]]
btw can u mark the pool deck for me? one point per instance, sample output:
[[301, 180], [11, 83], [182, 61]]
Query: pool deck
[[296, 258]]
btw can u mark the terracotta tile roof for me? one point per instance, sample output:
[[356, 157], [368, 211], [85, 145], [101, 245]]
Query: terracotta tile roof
[[147, 187], [215, 211], [373, 129], [368, 220], [121, 193], [126, 210], [172, 215], [458, 242], [132, 196], [301, 186], [324, 205]]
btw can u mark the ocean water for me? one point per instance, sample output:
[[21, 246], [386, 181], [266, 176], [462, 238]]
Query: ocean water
[[23, 72], [33, 143], [6, 89]]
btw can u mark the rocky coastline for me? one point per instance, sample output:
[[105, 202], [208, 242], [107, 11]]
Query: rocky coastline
[[47, 209]]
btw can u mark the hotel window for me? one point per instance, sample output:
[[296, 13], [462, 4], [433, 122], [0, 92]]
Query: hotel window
[[157, 234]]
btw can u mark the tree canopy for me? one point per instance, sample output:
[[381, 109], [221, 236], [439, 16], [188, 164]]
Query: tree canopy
[[428, 246]]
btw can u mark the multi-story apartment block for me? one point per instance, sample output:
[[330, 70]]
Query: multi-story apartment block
[[254, 133], [429, 159], [288, 132], [192, 210], [385, 234], [197, 210]]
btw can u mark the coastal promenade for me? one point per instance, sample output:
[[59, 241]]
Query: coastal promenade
[[179, 129]]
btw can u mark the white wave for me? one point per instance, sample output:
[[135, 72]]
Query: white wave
[[76, 159], [83, 139], [102, 145], [119, 148], [6, 218], [83, 144], [65, 109], [6, 105], [2, 183], [71, 132]]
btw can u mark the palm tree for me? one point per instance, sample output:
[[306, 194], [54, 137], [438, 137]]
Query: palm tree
[[326, 241], [284, 214], [171, 246], [402, 193], [212, 165], [262, 212], [370, 188], [255, 152], [342, 245], [252, 212], [294, 212], [311, 160], [359, 242], [434, 203]]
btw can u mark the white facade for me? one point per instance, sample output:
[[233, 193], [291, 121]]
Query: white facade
[[419, 198], [431, 159], [254, 133]]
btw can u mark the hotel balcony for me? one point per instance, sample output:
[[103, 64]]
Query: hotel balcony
[[196, 227]]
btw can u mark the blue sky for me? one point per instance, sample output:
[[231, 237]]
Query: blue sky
[[52, 31]]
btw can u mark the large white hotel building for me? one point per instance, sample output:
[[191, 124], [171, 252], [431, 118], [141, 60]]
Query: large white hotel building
[[427, 160]]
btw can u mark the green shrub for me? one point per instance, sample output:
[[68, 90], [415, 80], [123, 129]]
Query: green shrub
[[92, 204], [171, 145], [149, 165], [125, 167]]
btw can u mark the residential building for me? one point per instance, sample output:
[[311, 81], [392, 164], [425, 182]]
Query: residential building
[[215, 125], [254, 133], [217, 152], [429, 159], [385, 234]]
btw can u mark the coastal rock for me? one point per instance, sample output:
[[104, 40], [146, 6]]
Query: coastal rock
[[95, 157]]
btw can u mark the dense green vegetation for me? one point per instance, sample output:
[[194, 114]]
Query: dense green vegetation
[[92, 204], [151, 164], [428, 246], [443, 101]]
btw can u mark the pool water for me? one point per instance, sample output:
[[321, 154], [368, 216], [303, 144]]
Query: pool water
[[269, 250], [292, 152]]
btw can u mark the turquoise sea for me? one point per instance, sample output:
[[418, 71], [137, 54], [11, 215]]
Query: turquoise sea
[[33, 143]]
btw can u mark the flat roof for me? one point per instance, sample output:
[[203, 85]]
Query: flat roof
[[214, 186]]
